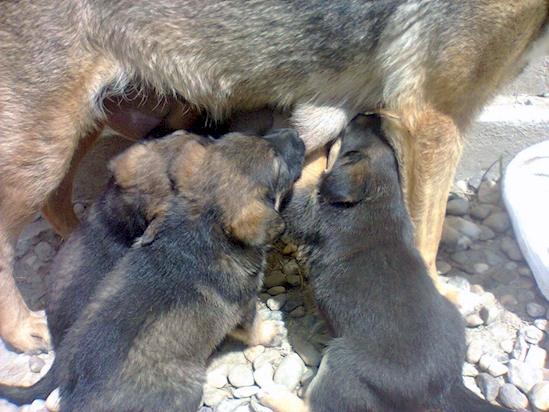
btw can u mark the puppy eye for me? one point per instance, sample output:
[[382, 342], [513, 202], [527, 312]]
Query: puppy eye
[[271, 198], [353, 156]]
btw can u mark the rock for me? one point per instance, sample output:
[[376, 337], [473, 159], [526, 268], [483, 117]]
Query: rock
[[298, 312], [511, 249], [263, 376], [486, 361], [289, 249], [535, 309], [473, 321], [480, 268], [36, 364], [213, 396], [289, 371], [276, 290], [533, 334], [468, 257], [520, 348], [277, 302], [307, 351], [464, 226], [457, 207], [443, 267], [469, 370], [542, 324], [488, 385], [231, 405], [5, 406], [270, 356], [253, 352], [44, 251], [497, 369], [524, 271], [486, 233], [488, 192], [523, 376], [498, 222], [52, 403], [474, 352], [241, 375], [217, 377], [459, 283], [294, 280], [245, 392], [536, 357], [257, 407], [511, 397], [293, 302], [472, 386], [275, 278], [291, 268], [454, 239], [489, 314], [507, 345], [539, 396], [480, 211]]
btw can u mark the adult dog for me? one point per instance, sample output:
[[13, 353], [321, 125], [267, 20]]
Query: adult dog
[[433, 63], [387, 318]]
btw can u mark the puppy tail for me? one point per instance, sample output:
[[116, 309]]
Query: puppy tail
[[461, 399], [23, 395]]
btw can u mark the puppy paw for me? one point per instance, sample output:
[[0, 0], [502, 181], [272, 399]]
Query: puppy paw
[[30, 333], [280, 399], [269, 333]]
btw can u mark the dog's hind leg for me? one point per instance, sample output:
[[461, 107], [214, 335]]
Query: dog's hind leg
[[428, 145]]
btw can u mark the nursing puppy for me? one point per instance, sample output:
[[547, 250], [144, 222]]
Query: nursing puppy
[[142, 341], [136, 198], [388, 320]]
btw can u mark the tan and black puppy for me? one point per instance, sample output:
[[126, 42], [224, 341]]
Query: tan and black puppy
[[370, 282], [133, 204], [142, 340]]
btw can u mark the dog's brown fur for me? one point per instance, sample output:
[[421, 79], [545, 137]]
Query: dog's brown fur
[[434, 65]]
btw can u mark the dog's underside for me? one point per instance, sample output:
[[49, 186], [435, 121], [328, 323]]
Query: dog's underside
[[431, 63], [372, 286]]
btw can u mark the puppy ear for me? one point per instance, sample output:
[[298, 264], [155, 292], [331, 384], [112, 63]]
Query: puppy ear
[[187, 163], [342, 185], [256, 224]]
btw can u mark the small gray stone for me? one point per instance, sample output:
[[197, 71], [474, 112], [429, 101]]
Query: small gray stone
[[443, 267], [498, 222], [263, 376], [523, 376], [275, 278], [277, 302], [257, 407], [486, 233], [253, 352], [241, 375], [480, 211], [8, 407], [470, 384], [454, 239], [488, 192], [511, 397], [231, 405], [542, 324], [291, 268], [44, 251], [539, 396], [488, 385], [533, 334], [473, 320], [294, 280], [293, 302], [307, 351], [459, 283], [457, 207], [497, 369], [535, 309], [217, 378], [480, 268], [520, 348], [213, 396], [536, 357], [298, 312], [245, 392], [474, 352], [469, 370], [511, 249], [276, 290], [289, 371], [507, 345], [270, 356], [486, 361], [36, 364], [464, 226], [289, 249], [489, 314]]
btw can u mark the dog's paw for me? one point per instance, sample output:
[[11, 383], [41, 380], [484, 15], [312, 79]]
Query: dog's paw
[[269, 333], [30, 333], [280, 399]]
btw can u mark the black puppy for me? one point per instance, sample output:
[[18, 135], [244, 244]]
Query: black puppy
[[142, 341], [388, 320], [136, 198]]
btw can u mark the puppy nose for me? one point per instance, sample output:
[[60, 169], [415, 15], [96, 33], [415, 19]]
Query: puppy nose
[[290, 147]]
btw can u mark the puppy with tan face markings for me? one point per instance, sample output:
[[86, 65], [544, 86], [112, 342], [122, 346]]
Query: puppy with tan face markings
[[141, 341], [398, 345]]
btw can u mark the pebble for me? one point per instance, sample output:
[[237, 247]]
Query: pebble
[[498, 222], [289, 249], [213, 396], [52, 403], [480, 211], [474, 352], [457, 207], [488, 192], [241, 375], [277, 302], [497, 369], [276, 290], [291, 268], [293, 302], [511, 249], [44, 251], [507, 345], [489, 314], [533, 334], [36, 364], [263, 376], [298, 312], [257, 407], [294, 280], [253, 352], [464, 226], [245, 392], [535, 309], [443, 267], [271, 356], [511, 397], [536, 357], [473, 320], [454, 239], [523, 376], [539, 396], [486, 361], [231, 405], [276, 278], [469, 370], [486, 233], [7, 407], [542, 324], [307, 351], [289, 371], [470, 384], [481, 267], [489, 386]]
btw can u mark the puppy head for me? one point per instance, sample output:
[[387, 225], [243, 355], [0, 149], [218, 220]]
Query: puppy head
[[364, 167], [244, 179]]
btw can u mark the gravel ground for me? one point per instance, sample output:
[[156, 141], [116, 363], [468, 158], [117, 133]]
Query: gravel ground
[[505, 314]]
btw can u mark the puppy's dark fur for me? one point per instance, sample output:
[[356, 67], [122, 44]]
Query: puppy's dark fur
[[399, 345], [142, 340], [136, 198]]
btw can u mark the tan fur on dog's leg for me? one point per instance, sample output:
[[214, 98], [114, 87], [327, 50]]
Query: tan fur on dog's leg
[[282, 400], [58, 209], [428, 147]]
